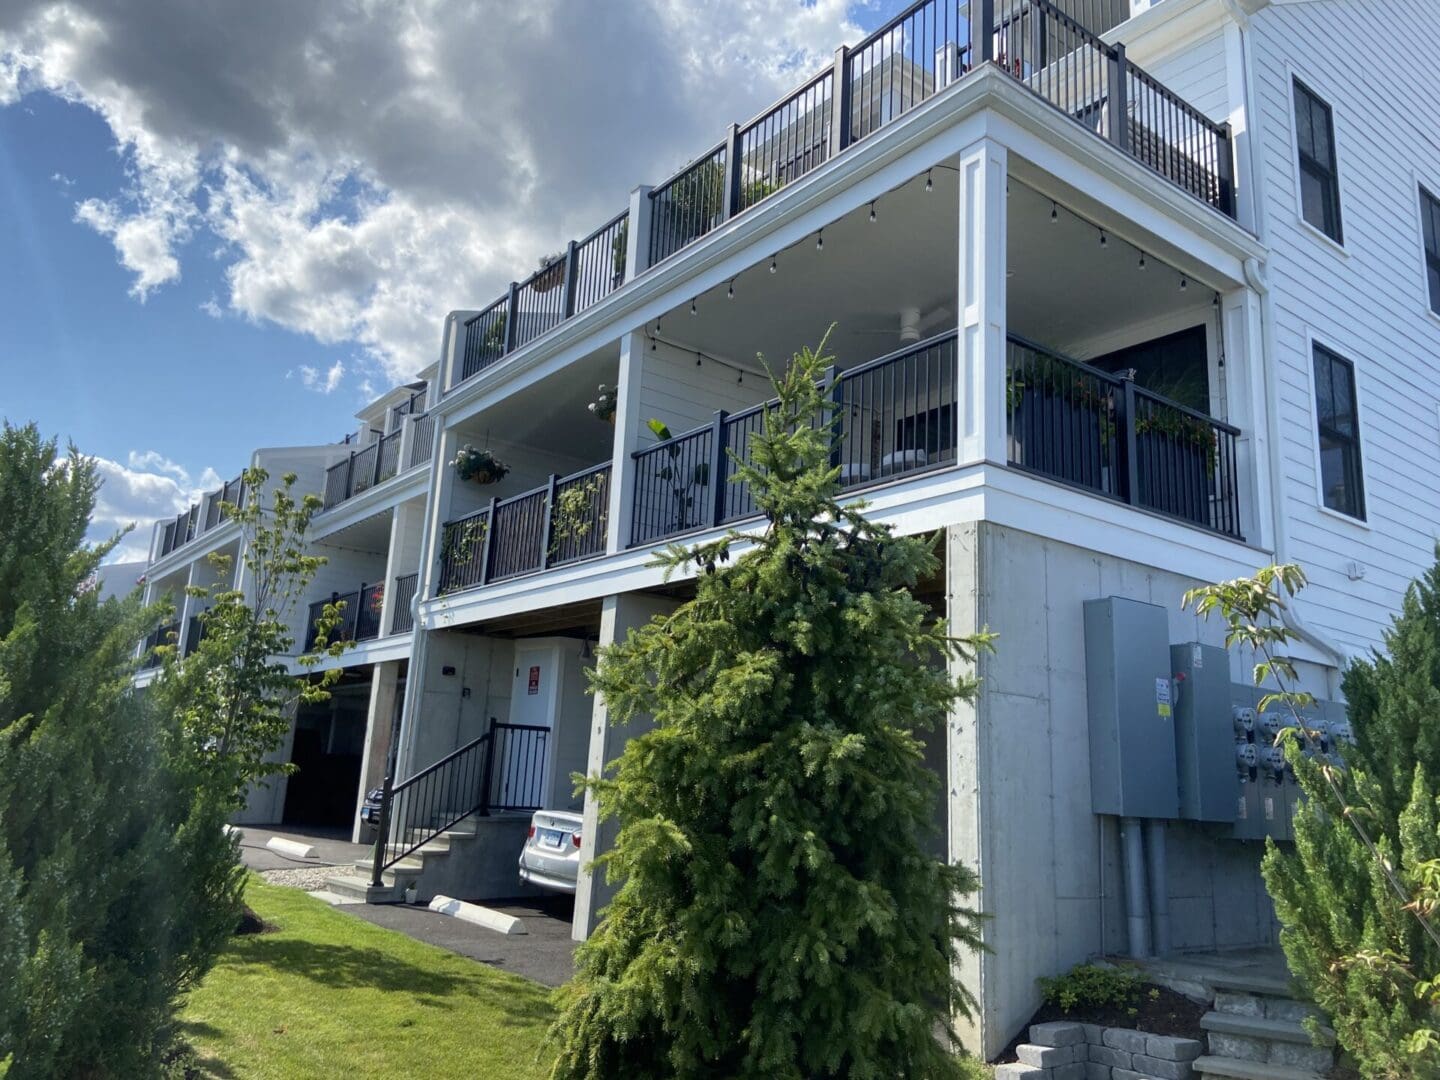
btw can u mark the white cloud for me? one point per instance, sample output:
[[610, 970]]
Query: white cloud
[[367, 167], [322, 383], [142, 491]]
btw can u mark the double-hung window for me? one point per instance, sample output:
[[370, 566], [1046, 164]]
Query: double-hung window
[[1319, 170], [1338, 420]]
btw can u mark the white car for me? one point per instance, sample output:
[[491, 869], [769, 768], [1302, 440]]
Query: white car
[[550, 858]]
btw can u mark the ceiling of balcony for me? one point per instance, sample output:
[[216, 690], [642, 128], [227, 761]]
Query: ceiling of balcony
[[371, 535]]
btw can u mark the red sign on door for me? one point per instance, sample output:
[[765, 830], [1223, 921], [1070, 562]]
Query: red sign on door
[[534, 680]]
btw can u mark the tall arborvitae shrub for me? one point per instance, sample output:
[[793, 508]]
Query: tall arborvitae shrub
[[1351, 936], [778, 913], [118, 884]]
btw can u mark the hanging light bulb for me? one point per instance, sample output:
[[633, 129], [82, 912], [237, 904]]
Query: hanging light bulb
[[1183, 283], [740, 379], [730, 291], [820, 240], [929, 180], [872, 209], [1142, 260], [1054, 212], [697, 359], [657, 327], [773, 267], [1103, 240], [693, 310]]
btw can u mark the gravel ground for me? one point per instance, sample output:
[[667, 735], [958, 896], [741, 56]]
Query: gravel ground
[[301, 877]]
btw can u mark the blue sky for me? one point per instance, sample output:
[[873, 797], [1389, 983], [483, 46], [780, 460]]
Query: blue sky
[[214, 243]]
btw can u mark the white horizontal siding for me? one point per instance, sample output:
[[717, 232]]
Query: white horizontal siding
[[1197, 74], [1367, 303]]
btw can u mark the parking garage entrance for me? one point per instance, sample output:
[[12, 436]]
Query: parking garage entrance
[[328, 745]]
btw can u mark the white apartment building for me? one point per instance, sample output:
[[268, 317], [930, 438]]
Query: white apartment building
[[1128, 297]]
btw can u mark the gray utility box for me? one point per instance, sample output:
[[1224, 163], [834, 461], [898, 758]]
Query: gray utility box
[[1204, 733], [1130, 698]]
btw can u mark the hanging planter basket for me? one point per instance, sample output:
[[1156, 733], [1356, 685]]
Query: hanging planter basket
[[603, 407], [479, 466], [551, 275]]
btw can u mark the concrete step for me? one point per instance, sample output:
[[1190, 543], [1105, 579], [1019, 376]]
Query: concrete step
[[407, 867], [1259, 1027], [359, 888], [335, 899], [1250, 983], [1232, 1069]]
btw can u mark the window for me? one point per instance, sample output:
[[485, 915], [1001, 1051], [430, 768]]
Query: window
[[1430, 226], [1338, 422], [1319, 175]]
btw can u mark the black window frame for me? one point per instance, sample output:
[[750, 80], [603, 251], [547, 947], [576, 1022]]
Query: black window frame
[[1331, 428], [1430, 240], [1327, 172]]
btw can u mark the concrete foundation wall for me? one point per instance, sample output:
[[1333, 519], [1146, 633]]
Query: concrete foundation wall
[[456, 708], [1019, 779]]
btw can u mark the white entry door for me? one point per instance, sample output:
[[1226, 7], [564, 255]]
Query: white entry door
[[525, 747]]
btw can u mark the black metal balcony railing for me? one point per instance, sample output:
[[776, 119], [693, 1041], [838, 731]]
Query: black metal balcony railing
[[365, 468], [402, 617], [359, 618], [560, 522], [201, 517], [894, 416], [414, 405], [1051, 47], [422, 443], [168, 634], [1074, 423]]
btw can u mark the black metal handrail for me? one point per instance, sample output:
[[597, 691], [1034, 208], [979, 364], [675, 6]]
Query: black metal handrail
[[402, 617], [504, 769], [167, 634], [368, 467], [562, 521], [422, 442], [1070, 422], [199, 518], [1053, 50], [894, 416]]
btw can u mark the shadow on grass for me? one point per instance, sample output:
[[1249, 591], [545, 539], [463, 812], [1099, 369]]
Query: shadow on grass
[[211, 1068], [349, 967]]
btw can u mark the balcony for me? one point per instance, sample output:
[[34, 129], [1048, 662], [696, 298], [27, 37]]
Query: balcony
[[169, 634], [1051, 47], [200, 518], [359, 617], [564, 521], [371, 465]]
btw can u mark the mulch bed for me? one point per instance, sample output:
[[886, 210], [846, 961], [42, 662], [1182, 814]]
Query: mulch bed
[[1158, 1012], [250, 923]]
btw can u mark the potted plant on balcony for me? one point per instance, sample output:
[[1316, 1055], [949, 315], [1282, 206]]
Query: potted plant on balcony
[[574, 516], [603, 407], [1176, 454], [551, 272], [481, 466], [1061, 419], [682, 482]]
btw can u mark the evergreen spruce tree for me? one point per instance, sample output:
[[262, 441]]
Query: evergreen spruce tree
[[1357, 896], [777, 914], [117, 884]]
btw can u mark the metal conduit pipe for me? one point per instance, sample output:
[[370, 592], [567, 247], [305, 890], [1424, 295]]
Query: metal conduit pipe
[[1159, 885], [1137, 910]]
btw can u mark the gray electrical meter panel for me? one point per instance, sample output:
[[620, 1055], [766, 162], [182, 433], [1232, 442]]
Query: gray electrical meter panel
[[1131, 701], [1205, 748]]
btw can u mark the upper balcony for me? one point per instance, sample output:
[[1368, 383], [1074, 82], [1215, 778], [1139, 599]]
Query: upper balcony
[[406, 442], [198, 520], [1051, 47]]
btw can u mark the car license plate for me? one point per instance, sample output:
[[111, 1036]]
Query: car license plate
[[552, 838]]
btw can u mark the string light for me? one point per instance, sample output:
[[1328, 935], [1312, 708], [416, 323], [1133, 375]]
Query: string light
[[1183, 283], [1054, 212], [929, 180], [730, 291], [872, 209], [1142, 260], [820, 240], [773, 267], [693, 310], [1103, 240]]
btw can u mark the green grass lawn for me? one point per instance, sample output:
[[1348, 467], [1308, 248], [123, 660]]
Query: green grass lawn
[[328, 994]]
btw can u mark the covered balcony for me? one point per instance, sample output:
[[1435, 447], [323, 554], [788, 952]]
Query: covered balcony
[[199, 519], [406, 442]]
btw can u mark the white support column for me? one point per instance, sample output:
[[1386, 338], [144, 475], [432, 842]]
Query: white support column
[[637, 233], [452, 352], [379, 728], [627, 440], [1244, 386], [618, 616], [983, 169]]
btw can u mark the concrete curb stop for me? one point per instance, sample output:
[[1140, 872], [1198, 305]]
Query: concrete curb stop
[[292, 849], [480, 916]]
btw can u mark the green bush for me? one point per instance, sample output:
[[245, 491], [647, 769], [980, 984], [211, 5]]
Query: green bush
[[1090, 986]]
